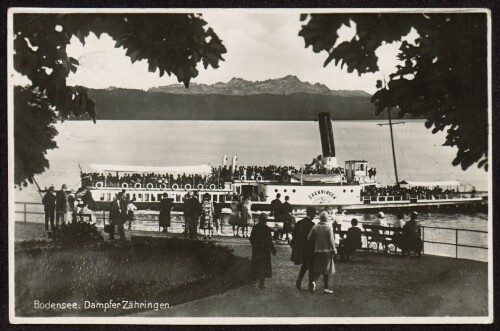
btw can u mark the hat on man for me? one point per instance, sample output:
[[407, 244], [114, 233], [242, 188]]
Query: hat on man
[[414, 213], [381, 215], [52, 188], [263, 217], [311, 212]]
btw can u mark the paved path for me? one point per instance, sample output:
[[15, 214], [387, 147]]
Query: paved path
[[371, 285]]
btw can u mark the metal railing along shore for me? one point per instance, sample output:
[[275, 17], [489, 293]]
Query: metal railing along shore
[[451, 242]]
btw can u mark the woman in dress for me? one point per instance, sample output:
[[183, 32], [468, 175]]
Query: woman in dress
[[262, 248], [234, 218], [246, 219], [207, 216], [324, 252]]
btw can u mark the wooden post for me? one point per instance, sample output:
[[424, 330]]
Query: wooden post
[[456, 243], [24, 212]]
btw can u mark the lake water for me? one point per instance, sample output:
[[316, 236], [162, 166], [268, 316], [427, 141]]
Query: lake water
[[420, 154]]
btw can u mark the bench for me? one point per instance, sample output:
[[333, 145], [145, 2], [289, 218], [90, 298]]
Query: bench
[[384, 236]]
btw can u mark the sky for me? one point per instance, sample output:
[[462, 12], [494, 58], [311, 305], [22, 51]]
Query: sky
[[259, 46]]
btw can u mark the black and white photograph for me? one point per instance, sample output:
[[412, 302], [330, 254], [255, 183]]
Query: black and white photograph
[[250, 166]]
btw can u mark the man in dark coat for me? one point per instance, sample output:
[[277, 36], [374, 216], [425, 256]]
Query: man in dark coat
[[186, 208], [287, 217], [411, 236], [61, 205], [49, 206], [194, 215], [276, 209], [302, 248], [166, 205], [262, 248], [116, 218]]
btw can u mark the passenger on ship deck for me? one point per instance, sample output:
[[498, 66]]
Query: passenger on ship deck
[[302, 248]]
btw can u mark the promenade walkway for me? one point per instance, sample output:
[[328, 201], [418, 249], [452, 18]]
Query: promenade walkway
[[372, 285]]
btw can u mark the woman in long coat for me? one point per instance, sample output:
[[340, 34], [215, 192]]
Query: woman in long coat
[[262, 248], [324, 251], [166, 205]]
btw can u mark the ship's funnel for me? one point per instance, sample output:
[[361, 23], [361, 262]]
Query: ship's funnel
[[326, 132]]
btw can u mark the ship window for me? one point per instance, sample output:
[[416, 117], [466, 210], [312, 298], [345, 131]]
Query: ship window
[[284, 191], [344, 191], [102, 197], [146, 197], [352, 191], [276, 190], [134, 197], [293, 190], [159, 196], [177, 198], [139, 196], [108, 196]]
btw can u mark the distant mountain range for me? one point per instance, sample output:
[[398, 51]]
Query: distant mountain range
[[287, 99], [237, 86]]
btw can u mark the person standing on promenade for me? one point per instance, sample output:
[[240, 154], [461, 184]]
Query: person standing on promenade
[[324, 252], [218, 217], [166, 205], [186, 206], [287, 217], [302, 248], [276, 209], [116, 218], [61, 205], [195, 212], [246, 219], [352, 241], [262, 248], [131, 208], [411, 236], [49, 207], [207, 216], [234, 218]]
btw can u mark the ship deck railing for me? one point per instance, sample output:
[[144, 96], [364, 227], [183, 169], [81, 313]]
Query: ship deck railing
[[420, 197]]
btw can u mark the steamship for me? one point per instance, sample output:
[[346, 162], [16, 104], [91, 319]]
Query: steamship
[[329, 185]]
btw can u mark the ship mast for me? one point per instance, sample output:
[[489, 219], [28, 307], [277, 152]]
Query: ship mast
[[392, 143]]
